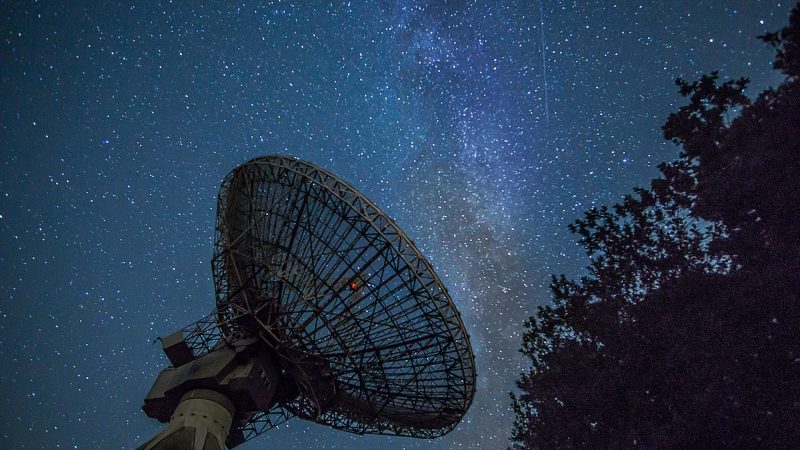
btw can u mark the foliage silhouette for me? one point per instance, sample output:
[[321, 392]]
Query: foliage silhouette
[[684, 332]]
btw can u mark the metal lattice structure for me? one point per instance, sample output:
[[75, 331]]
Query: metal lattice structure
[[364, 331]]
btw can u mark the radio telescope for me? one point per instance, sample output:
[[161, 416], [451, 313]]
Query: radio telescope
[[325, 310]]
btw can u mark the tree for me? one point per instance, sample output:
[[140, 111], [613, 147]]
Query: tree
[[686, 330]]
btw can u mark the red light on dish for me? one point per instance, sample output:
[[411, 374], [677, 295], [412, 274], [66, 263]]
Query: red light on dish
[[353, 286]]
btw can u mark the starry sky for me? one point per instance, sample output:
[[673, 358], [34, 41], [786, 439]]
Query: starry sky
[[482, 128]]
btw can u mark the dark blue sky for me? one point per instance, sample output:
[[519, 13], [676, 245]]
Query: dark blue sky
[[483, 129]]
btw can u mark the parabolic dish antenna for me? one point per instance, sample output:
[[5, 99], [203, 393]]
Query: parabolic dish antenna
[[325, 310]]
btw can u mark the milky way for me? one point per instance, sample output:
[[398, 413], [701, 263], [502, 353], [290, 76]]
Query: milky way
[[482, 129]]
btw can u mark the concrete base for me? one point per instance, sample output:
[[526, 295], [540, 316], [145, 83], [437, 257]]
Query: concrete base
[[201, 421]]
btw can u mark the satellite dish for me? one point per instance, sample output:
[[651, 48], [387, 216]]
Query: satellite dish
[[325, 310]]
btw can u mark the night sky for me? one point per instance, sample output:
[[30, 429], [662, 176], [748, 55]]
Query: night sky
[[482, 129]]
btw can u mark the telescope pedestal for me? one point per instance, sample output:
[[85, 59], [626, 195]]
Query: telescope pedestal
[[201, 396], [201, 421]]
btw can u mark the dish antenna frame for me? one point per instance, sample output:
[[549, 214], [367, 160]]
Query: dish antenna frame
[[325, 310]]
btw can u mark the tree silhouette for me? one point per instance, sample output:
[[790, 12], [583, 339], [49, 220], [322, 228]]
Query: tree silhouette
[[686, 330]]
